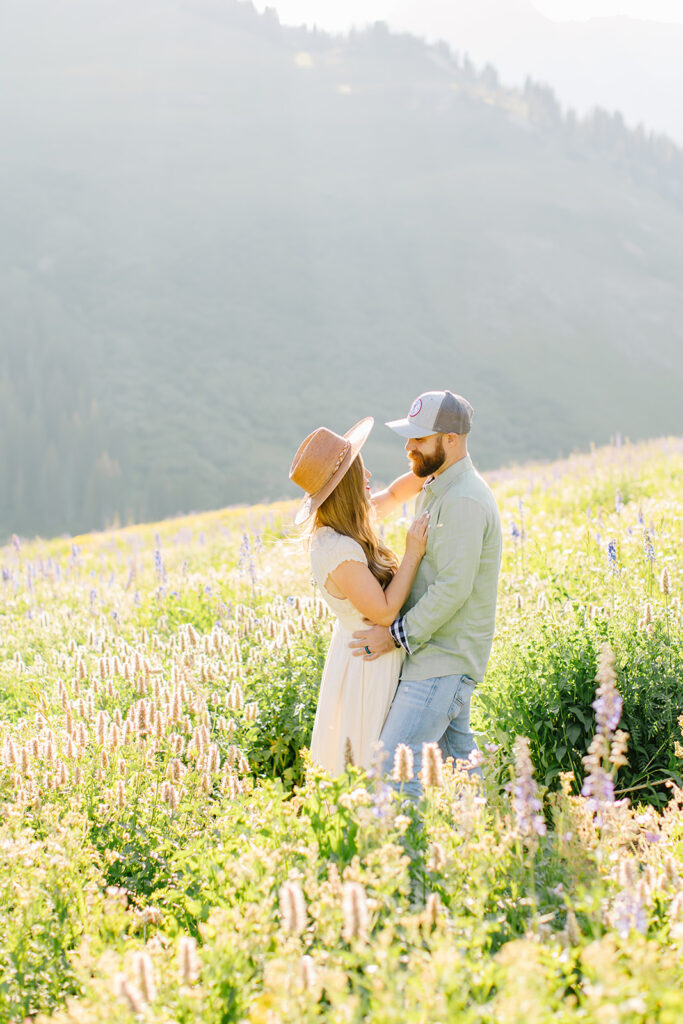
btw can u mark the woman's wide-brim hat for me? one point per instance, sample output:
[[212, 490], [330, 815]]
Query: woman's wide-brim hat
[[322, 460]]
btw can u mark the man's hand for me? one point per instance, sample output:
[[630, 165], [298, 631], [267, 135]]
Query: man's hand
[[377, 639]]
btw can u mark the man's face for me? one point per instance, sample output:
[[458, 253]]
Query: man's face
[[426, 454]]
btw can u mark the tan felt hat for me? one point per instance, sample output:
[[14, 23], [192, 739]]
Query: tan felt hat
[[322, 460]]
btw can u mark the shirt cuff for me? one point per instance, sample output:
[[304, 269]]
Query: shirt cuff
[[398, 632]]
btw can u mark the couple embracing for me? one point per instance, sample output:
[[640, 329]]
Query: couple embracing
[[412, 638]]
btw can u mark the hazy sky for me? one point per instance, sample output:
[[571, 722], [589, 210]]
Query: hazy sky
[[340, 14], [633, 66], [654, 10]]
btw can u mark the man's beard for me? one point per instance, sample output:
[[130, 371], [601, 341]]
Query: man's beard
[[425, 465]]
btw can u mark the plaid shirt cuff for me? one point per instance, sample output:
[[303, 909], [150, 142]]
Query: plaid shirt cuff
[[398, 633]]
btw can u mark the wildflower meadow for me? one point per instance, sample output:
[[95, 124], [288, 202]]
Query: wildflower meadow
[[169, 854]]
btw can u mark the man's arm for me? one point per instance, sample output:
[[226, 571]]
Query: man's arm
[[457, 544], [401, 490]]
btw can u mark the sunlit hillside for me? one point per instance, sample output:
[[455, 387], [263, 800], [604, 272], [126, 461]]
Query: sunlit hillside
[[220, 232], [167, 852]]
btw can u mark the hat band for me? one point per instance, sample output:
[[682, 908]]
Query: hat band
[[342, 455]]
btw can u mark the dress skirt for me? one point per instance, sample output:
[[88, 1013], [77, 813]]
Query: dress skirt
[[355, 697]]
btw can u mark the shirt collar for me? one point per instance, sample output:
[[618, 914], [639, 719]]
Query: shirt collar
[[436, 485]]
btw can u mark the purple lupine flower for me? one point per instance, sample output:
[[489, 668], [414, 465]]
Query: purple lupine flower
[[159, 567], [525, 801], [598, 785], [612, 556], [246, 562], [514, 530], [618, 503], [475, 759], [381, 799], [648, 546], [628, 912], [608, 701], [607, 706], [601, 761]]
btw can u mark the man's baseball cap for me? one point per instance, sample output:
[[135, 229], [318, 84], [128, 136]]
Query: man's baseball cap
[[435, 412]]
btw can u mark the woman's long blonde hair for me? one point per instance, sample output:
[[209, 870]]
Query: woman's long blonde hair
[[348, 510]]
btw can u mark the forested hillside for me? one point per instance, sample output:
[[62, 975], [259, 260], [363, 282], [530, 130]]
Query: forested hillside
[[218, 233]]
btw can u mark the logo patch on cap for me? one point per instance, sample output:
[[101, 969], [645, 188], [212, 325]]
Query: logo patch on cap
[[415, 407]]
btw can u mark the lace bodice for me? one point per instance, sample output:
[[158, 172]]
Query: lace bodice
[[328, 550]]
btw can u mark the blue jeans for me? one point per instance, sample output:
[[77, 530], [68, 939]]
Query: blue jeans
[[430, 711]]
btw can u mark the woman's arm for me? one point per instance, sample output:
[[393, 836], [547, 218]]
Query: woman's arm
[[355, 581], [401, 490]]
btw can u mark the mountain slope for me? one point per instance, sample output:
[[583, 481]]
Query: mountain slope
[[222, 233], [619, 63]]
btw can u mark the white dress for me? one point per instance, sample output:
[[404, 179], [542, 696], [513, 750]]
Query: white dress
[[355, 695]]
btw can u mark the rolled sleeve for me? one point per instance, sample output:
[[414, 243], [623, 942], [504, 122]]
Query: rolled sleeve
[[456, 552], [398, 633]]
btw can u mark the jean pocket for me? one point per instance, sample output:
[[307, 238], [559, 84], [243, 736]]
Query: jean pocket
[[461, 696]]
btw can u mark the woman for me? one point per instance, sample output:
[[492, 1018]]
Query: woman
[[359, 578]]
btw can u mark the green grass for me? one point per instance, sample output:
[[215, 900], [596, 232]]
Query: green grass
[[158, 692]]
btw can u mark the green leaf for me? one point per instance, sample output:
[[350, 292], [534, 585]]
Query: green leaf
[[573, 733]]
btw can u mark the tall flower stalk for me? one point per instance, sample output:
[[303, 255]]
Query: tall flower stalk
[[526, 803], [607, 751]]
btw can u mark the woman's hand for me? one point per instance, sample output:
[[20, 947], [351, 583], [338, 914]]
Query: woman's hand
[[416, 538], [358, 585]]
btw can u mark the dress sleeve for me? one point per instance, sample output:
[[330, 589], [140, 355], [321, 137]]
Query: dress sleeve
[[346, 549], [330, 550]]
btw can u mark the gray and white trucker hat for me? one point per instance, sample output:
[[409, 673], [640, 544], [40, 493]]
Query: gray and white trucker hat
[[435, 412]]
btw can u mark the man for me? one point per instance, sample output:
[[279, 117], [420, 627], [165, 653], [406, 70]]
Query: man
[[447, 623]]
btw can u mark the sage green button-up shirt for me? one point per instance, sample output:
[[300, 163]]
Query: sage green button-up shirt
[[450, 614]]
